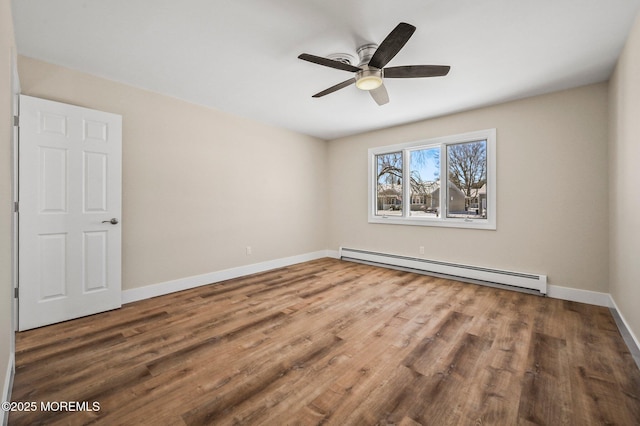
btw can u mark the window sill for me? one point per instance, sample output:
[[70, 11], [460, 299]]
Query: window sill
[[443, 223]]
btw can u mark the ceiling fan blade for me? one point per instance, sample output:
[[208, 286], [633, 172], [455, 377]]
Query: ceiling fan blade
[[328, 62], [336, 87], [416, 71], [391, 45], [380, 95]]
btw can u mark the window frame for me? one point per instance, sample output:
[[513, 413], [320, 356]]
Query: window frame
[[488, 135]]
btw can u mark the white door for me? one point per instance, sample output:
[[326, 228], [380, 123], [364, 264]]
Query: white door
[[70, 182]]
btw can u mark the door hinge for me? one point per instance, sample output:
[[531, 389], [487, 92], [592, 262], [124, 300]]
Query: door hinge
[[16, 121], [16, 207], [15, 293]]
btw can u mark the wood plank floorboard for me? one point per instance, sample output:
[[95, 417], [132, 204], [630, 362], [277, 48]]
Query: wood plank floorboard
[[335, 343]]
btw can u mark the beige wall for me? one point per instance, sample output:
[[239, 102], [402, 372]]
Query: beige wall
[[624, 165], [199, 185], [552, 213], [6, 52]]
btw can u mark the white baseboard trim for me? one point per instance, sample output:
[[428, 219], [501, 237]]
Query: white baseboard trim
[[577, 295], [167, 287], [624, 321], [6, 388]]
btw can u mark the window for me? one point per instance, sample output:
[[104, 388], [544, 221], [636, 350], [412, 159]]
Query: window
[[389, 184], [448, 181], [424, 175]]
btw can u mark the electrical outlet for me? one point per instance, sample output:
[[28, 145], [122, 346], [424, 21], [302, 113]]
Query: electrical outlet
[[248, 250], [421, 249]]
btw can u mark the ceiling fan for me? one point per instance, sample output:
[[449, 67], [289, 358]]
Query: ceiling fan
[[371, 70]]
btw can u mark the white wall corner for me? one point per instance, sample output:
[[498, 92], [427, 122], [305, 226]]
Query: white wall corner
[[6, 389], [334, 254], [180, 284]]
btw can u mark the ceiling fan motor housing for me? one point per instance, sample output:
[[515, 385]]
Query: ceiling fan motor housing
[[369, 78], [365, 52]]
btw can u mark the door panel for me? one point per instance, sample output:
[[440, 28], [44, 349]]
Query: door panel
[[52, 263], [53, 184], [70, 188], [95, 260], [95, 182]]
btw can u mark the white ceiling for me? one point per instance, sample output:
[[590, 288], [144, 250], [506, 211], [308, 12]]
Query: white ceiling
[[241, 56]]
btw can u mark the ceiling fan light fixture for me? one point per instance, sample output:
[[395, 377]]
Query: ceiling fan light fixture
[[369, 83], [369, 79]]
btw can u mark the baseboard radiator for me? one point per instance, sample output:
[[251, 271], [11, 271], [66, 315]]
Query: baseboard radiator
[[518, 280]]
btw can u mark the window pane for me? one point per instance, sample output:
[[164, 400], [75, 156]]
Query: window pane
[[389, 184], [424, 170], [467, 186]]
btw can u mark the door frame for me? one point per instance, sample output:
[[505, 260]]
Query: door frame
[[15, 100], [15, 140]]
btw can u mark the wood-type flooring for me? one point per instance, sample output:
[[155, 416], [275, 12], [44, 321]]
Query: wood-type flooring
[[333, 342]]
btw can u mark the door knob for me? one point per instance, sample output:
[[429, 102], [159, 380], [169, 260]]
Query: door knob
[[113, 221]]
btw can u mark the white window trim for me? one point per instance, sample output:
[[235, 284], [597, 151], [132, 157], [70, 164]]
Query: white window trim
[[443, 221]]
